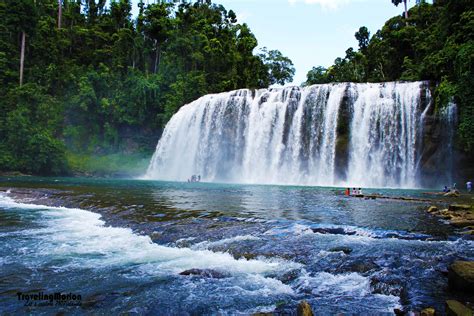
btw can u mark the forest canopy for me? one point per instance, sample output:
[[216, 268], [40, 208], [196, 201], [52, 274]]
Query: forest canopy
[[93, 79]]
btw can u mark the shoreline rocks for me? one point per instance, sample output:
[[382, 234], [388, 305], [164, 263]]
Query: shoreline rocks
[[458, 215], [461, 276]]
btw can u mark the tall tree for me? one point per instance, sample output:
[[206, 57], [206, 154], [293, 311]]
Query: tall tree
[[60, 13], [22, 17], [397, 2], [363, 36], [157, 27]]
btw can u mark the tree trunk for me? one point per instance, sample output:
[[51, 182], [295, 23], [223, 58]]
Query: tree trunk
[[406, 9], [60, 13], [22, 56], [157, 57]]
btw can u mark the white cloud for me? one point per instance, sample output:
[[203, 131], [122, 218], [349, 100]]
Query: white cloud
[[325, 4]]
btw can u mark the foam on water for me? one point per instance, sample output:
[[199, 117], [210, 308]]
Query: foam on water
[[82, 238], [210, 244], [336, 286]]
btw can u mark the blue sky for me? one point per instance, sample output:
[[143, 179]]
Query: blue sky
[[311, 32]]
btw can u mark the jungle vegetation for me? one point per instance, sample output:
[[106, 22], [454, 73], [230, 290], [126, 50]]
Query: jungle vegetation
[[83, 78], [432, 42]]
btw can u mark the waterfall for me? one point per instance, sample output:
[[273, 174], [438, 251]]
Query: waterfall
[[291, 136], [384, 134], [449, 120]]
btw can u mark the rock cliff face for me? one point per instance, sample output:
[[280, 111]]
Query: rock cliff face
[[371, 135]]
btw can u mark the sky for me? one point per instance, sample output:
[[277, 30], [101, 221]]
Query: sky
[[310, 32]]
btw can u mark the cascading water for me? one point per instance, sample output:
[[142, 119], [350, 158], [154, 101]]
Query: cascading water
[[449, 119], [384, 134], [291, 136]]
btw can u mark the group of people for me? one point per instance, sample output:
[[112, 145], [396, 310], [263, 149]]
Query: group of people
[[353, 192], [195, 178], [453, 188]]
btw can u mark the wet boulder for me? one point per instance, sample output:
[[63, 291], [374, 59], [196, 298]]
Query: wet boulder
[[359, 266], [304, 309], [205, 273], [455, 308], [461, 276]]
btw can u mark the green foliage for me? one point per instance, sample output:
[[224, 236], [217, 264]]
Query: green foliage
[[28, 143], [107, 82], [435, 43], [118, 164], [317, 75], [280, 68]]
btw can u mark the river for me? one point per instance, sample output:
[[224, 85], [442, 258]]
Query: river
[[123, 245]]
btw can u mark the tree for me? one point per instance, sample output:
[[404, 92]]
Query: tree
[[22, 16], [397, 2], [317, 75], [157, 27], [363, 36], [60, 13], [280, 68]]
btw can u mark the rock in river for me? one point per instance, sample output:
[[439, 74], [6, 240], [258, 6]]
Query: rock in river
[[304, 309], [461, 276], [430, 311], [345, 250], [459, 207], [333, 231], [205, 273], [454, 308]]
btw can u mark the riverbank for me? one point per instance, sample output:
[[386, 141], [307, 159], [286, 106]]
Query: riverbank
[[371, 251]]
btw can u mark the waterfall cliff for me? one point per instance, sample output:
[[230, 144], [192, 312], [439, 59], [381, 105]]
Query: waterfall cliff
[[345, 134]]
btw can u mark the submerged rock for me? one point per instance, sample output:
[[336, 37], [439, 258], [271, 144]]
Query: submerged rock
[[333, 231], [345, 250], [205, 273], [461, 222], [359, 266], [399, 312], [304, 309], [461, 276], [455, 308], [387, 285], [459, 207], [246, 255], [430, 311]]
